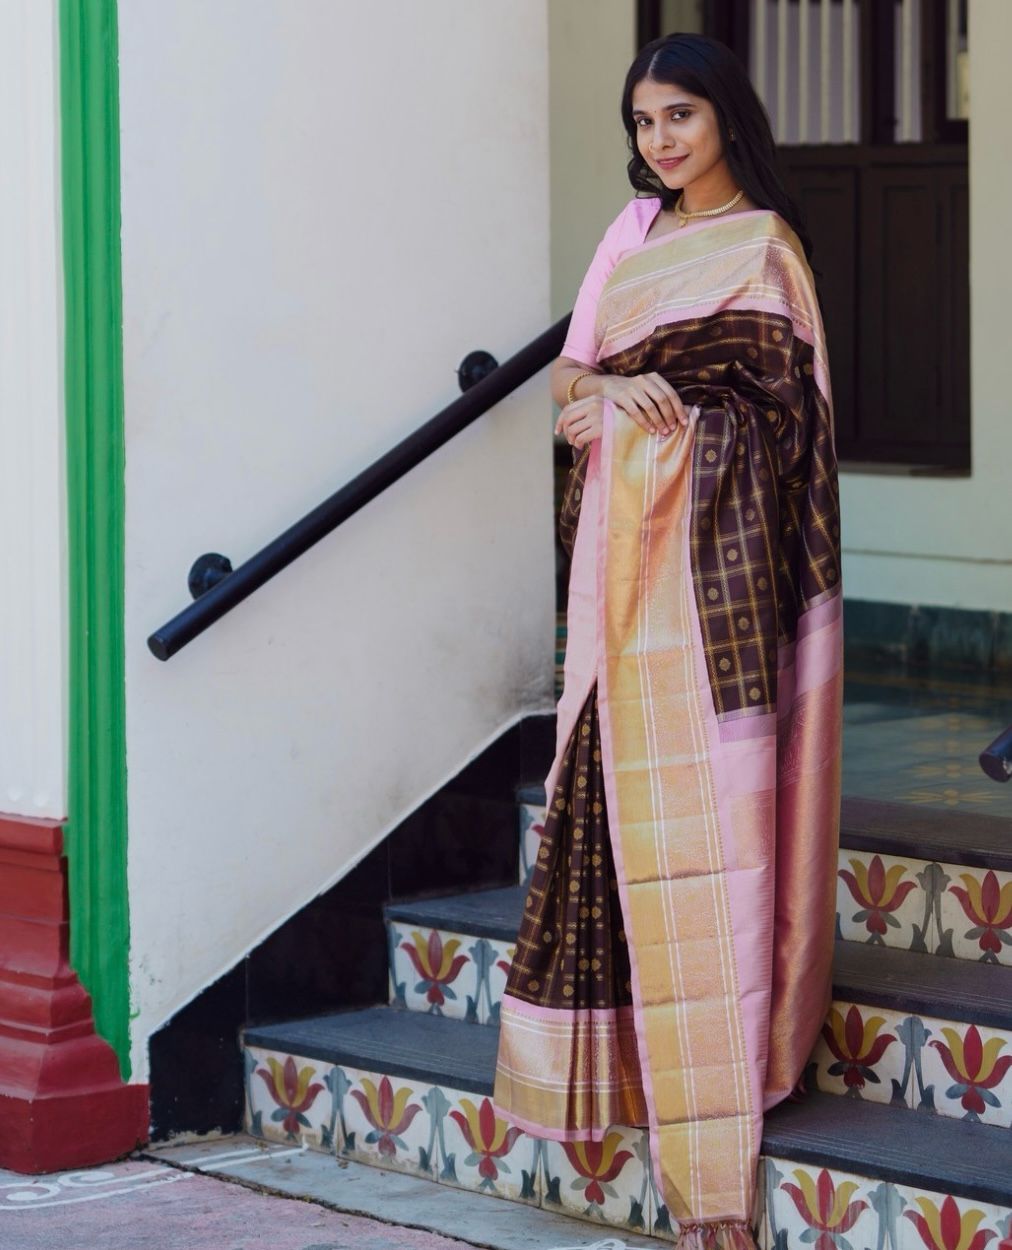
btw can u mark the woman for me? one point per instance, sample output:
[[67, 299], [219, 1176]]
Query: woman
[[673, 964]]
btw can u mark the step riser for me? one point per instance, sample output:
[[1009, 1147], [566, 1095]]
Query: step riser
[[446, 973], [917, 905], [354, 1115], [917, 1062], [431, 1131], [875, 1213]]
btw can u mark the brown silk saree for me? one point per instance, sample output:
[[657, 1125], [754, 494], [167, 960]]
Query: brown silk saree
[[673, 965]]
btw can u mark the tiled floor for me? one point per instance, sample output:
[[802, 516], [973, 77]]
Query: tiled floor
[[917, 739]]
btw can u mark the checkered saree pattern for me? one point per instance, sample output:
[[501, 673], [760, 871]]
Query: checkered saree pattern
[[765, 534]]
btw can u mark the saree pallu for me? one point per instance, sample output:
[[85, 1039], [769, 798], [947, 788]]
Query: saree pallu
[[703, 682]]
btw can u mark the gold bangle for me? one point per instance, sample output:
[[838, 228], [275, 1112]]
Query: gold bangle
[[570, 397]]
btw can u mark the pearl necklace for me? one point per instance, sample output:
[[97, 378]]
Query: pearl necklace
[[705, 212]]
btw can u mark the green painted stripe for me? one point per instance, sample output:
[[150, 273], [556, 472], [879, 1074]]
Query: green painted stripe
[[97, 816]]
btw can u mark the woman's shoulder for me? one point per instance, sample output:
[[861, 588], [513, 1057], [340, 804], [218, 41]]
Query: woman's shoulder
[[638, 212], [631, 223]]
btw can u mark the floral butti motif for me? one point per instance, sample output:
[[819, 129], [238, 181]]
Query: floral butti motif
[[290, 1088], [945, 1227], [597, 1164], [828, 1211], [490, 1139], [389, 1113], [437, 965], [988, 906], [975, 1066], [878, 892], [857, 1044]]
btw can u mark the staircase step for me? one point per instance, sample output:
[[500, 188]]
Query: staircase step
[[880, 976], [946, 1156], [912, 877], [399, 1090], [386, 1039], [491, 914], [909, 830], [902, 1028], [914, 983]]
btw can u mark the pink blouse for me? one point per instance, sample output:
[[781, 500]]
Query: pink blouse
[[627, 230]]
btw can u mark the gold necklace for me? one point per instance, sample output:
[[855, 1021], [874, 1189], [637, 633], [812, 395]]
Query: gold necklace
[[705, 212]]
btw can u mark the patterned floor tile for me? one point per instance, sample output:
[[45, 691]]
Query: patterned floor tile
[[385, 1121], [490, 1155], [448, 974], [969, 1070], [288, 1099], [977, 905], [809, 1204], [878, 898], [606, 1181], [861, 1054], [938, 909], [432, 971]]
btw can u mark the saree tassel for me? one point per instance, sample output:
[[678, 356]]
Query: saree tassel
[[726, 1235]]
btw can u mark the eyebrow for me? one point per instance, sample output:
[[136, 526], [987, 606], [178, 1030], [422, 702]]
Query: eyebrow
[[679, 104]]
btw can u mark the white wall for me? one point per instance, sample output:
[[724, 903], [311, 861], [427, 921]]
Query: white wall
[[592, 44], [32, 512], [325, 206], [938, 541]]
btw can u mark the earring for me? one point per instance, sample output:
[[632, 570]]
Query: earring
[[730, 135]]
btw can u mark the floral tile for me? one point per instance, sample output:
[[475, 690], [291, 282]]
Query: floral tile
[[941, 1222], [977, 905], [288, 1099], [448, 974], [933, 908], [662, 1225], [429, 970], [834, 1210], [384, 1120], [861, 1054], [969, 1071], [489, 1154], [606, 1181], [502, 958], [531, 818], [877, 898], [808, 1204]]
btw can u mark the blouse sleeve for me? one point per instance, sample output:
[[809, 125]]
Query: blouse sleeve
[[580, 342]]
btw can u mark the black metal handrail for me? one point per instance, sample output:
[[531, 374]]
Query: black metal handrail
[[233, 587], [996, 757]]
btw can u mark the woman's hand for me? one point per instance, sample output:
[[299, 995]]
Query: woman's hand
[[582, 421], [651, 401]]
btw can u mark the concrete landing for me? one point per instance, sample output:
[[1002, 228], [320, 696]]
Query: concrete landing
[[408, 1205], [146, 1205]]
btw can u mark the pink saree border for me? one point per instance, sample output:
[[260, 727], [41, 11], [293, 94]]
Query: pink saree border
[[608, 769], [593, 1014]]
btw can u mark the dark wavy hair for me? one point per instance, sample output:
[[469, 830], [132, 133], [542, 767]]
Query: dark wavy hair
[[708, 68]]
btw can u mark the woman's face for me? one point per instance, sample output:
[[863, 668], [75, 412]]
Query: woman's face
[[677, 134]]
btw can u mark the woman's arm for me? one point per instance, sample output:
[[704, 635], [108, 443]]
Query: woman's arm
[[563, 371], [651, 401]]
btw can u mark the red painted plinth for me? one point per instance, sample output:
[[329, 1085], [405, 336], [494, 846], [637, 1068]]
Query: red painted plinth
[[62, 1102]]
